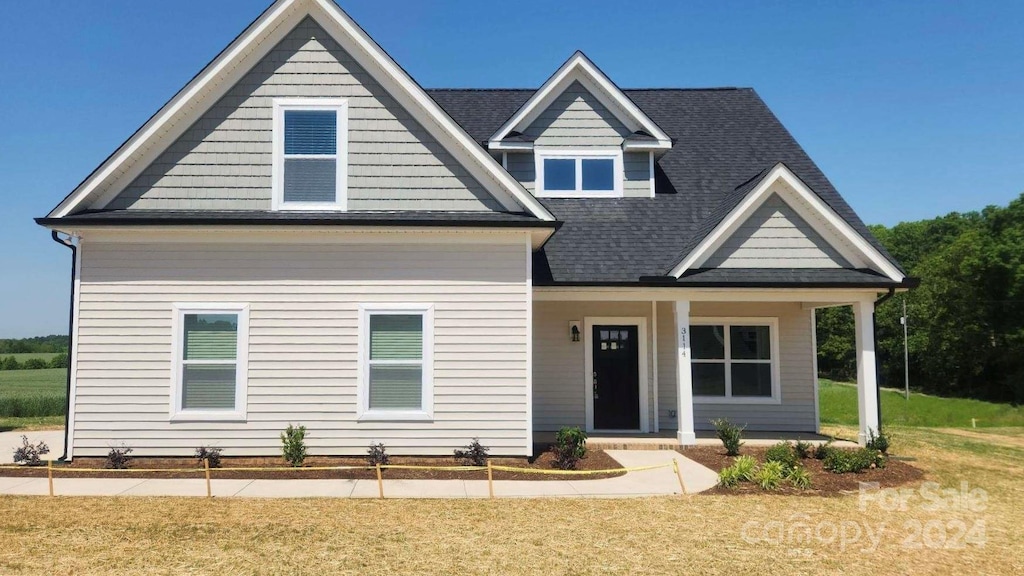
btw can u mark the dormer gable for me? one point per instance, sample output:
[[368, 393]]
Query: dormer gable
[[579, 81]]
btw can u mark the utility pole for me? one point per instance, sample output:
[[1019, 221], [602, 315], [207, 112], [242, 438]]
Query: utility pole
[[906, 353]]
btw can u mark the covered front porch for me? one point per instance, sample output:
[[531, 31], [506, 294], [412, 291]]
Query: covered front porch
[[657, 366]]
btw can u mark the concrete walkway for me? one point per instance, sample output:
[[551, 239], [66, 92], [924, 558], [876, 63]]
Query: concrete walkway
[[9, 441], [657, 482]]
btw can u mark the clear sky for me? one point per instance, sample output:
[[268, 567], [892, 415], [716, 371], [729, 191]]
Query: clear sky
[[913, 109]]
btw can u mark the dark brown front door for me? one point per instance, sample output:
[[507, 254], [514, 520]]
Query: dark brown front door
[[616, 378]]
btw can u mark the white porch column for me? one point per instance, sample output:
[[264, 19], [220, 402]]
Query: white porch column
[[684, 384], [867, 373]]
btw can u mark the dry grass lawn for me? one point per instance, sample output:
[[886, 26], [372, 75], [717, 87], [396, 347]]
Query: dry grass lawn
[[696, 534]]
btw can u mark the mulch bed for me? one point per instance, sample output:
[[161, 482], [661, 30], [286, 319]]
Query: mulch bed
[[595, 460], [823, 482]]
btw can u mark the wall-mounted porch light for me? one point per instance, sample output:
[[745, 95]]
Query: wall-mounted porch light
[[574, 330]]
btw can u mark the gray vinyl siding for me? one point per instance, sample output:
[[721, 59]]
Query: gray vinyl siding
[[223, 161], [559, 397], [796, 413], [775, 236], [303, 342], [577, 119], [636, 167]]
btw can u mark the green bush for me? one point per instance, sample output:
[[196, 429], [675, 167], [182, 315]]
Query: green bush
[[293, 444], [770, 475], [803, 449], [799, 477], [879, 442], [9, 363], [59, 361], [822, 451], [730, 477], [857, 460], [730, 435], [35, 364], [745, 466], [782, 453], [475, 454], [570, 447]]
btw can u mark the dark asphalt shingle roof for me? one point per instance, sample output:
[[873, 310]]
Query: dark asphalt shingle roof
[[723, 141]]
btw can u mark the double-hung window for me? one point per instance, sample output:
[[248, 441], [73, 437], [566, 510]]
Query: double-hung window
[[210, 362], [734, 360], [310, 143], [396, 364], [581, 173]]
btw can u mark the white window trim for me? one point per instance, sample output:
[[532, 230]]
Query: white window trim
[[363, 411], [773, 328], [340, 106], [177, 414], [579, 154]]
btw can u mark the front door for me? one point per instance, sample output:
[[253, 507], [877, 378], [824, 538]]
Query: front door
[[616, 378]]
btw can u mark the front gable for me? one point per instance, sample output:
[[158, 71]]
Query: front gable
[[223, 161], [775, 236], [577, 119], [210, 135], [778, 222]]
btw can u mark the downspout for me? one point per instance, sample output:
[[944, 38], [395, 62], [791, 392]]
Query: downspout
[[878, 360], [71, 337]]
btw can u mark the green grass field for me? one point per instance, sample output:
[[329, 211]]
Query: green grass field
[[31, 397], [839, 406], [48, 356]]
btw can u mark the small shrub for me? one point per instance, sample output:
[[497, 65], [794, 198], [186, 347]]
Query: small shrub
[[570, 447], [799, 477], [118, 458], [770, 475], [28, 454], [745, 467], [782, 453], [293, 444], [730, 435], [377, 454], [879, 442], [802, 449], [210, 454], [9, 363], [729, 477], [475, 454], [59, 361], [858, 460], [822, 451]]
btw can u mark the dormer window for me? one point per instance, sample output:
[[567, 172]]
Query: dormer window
[[310, 154], [579, 173]]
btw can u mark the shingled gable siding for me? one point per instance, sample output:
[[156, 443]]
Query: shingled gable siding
[[794, 414], [576, 119], [223, 162], [302, 342], [775, 236]]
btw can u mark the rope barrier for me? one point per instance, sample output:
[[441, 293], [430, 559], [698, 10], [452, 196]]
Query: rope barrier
[[490, 468]]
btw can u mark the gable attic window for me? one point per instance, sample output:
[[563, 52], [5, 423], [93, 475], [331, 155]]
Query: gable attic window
[[310, 142], [579, 173]]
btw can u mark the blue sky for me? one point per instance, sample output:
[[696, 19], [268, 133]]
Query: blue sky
[[913, 109]]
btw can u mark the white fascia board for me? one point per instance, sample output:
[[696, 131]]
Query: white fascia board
[[579, 68], [511, 146], [251, 46], [862, 249], [646, 146]]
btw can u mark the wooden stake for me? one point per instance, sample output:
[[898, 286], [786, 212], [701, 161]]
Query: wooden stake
[[490, 479], [206, 465], [49, 474], [679, 475], [380, 483]]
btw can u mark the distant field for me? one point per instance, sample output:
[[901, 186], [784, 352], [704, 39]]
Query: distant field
[[839, 406], [32, 393], [30, 355]]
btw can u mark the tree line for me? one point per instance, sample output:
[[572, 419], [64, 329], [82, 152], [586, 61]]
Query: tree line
[[966, 320], [38, 344]]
